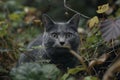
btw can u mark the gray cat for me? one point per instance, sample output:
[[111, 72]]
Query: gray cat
[[56, 37]]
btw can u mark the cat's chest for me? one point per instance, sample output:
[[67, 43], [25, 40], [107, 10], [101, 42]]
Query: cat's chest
[[59, 52], [60, 55]]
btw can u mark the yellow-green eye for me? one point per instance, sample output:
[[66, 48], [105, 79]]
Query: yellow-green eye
[[55, 35], [68, 35]]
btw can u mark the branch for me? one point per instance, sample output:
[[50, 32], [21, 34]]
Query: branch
[[80, 59], [114, 68], [65, 5]]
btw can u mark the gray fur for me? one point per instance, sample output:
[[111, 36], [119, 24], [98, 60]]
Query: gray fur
[[55, 36]]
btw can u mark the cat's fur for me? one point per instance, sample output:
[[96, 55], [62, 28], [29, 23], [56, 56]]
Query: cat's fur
[[56, 36]]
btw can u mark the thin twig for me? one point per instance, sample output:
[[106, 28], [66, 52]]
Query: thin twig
[[6, 11], [65, 5], [80, 59]]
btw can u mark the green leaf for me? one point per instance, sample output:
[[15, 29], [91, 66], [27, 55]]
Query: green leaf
[[71, 78], [38, 47], [3, 30], [76, 70], [50, 71], [65, 76], [92, 39], [2, 16], [35, 71], [72, 71], [91, 78], [16, 16]]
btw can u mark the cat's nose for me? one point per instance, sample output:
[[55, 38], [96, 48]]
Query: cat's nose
[[62, 43]]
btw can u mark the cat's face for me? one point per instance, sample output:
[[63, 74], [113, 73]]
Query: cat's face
[[62, 34]]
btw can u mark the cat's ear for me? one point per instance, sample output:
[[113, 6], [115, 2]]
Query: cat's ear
[[47, 21], [74, 21]]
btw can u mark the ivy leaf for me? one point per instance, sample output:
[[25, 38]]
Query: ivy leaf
[[110, 29], [103, 8], [35, 71], [92, 22]]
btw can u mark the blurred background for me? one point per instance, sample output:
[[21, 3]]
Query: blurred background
[[20, 23]]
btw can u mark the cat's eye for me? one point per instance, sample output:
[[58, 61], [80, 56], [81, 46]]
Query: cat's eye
[[55, 35], [68, 35]]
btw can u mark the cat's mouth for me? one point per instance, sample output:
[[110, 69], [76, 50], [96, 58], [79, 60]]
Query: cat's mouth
[[62, 48]]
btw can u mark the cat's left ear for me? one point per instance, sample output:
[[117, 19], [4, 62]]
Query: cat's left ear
[[74, 21], [47, 22]]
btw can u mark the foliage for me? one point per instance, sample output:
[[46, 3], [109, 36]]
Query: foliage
[[103, 8], [14, 33], [93, 21], [72, 72], [3, 30], [35, 71], [20, 23], [91, 78], [110, 29]]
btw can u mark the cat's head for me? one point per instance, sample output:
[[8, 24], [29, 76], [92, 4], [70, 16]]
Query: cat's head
[[61, 34]]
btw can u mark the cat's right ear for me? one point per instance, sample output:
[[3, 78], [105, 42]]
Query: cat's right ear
[[47, 22]]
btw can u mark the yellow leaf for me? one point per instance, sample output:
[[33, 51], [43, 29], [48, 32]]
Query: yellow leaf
[[103, 8], [37, 21], [14, 16], [1, 22], [93, 21]]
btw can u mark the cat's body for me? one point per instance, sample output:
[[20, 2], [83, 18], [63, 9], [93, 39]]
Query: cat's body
[[56, 37]]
